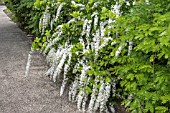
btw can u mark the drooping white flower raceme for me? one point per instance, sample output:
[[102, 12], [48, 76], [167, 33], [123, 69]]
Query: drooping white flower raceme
[[86, 95], [59, 10], [118, 51], [93, 96], [80, 97], [84, 27], [82, 84], [127, 3], [106, 94], [45, 20], [134, 2], [59, 68], [52, 23], [96, 19], [147, 1], [63, 85], [105, 42], [117, 9], [74, 89], [49, 59], [96, 42], [72, 20], [40, 25], [100, 96], [130, 47], [88, 29], [54, 41], [66, 69], [77, 5], [50, 55], [96, 4]]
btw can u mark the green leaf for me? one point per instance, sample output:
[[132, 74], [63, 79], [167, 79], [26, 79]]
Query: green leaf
[[152, 58], [161, 109]]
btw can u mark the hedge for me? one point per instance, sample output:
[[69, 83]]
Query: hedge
[[104, 50]]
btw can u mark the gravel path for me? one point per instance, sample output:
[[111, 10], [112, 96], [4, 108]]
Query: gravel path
[[34, 94]]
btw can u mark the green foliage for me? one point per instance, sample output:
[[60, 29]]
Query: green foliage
[[145, 73], [142, 78], [26, 13]]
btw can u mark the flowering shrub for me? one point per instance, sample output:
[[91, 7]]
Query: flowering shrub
[[107, 50]]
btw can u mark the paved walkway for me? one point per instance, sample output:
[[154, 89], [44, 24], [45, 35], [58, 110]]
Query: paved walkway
[[34, 94]]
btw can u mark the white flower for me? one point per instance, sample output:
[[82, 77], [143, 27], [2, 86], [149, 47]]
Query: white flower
[[147, 1], [88, 28], [54, 41], [96, 4], [46, 19], [102, 29], [117, 9], [127, 3], [40, 25], [96, 19], [130, 47], [59, 67], [118, 51], [96, 40], [94, 14], [75, 69], [63, 85], [93, 99], [74, 89], [77, 5], [84, 102], [72, 20], [100, 96], [93, 95], [106, 40], [106, 97], [58, 11], [50, 55], [134, 2], [52, 23], [113, 43], [84, 27], [80, 99]]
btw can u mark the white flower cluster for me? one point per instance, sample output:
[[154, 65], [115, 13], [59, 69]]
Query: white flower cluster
[[73, 90], [77, 5], [93, 97], [66, 69], [117, 9], [83, 81], [54, 41], [58, 11], [57, 60], [43, 23], [49, 19]]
